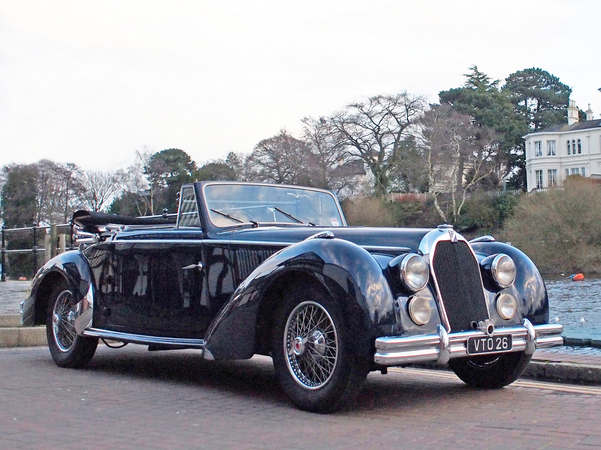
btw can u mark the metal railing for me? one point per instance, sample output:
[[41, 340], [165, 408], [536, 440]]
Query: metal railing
[[57, 239]]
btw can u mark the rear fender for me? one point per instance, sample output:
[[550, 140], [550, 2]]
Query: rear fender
[[71, 267], [344, 270]]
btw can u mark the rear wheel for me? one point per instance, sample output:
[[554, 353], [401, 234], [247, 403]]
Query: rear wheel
[[312, 353], [66, 347], [491, 371]]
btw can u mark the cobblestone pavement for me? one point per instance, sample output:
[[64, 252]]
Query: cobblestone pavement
[[131, 399]]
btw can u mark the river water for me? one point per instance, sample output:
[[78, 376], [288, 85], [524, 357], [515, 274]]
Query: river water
[[577, 306]]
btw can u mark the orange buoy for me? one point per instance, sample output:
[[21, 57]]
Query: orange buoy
[[577, 277]]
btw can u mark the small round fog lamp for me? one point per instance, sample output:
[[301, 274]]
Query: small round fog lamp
[[507, 305], [420, 310]]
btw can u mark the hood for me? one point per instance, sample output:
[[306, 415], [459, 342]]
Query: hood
[[387, 240]]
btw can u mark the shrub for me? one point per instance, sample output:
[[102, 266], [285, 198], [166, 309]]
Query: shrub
[[560, 229], [368, 212]]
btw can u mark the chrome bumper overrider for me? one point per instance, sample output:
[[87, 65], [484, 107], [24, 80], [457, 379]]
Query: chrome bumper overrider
[[441, 347]]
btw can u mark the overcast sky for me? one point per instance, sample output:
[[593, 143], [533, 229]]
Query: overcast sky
[[92, 82]]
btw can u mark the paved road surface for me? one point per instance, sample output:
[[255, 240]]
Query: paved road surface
[[134, 399]]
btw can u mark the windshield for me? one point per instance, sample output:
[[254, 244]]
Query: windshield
[[231, 204]]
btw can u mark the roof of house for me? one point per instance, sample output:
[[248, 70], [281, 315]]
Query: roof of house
[[562, 128]]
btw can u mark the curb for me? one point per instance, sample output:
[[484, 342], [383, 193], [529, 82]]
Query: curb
[[12, 334], [563, 372], [23, 337]]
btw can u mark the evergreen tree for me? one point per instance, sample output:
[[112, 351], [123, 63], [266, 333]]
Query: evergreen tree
[[19, 195], [539, 97], [490, 107]]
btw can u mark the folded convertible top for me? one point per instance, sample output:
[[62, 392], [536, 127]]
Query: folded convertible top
[[90, 220]]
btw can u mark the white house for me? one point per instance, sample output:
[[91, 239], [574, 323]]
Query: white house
[[562, 150]]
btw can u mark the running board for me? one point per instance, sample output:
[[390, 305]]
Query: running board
[[150, 340]]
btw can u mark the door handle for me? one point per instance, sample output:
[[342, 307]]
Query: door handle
[[198, 267]]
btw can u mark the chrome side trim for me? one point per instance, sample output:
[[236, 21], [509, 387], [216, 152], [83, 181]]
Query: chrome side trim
[[144, 339], [327, 234], [441, 347]]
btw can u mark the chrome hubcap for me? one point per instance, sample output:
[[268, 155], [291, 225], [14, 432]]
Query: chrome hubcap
[[298, 347], [311, 345]]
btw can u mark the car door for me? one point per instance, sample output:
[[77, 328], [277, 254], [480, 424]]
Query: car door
[[159, 279]]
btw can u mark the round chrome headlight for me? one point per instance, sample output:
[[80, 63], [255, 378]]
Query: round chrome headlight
[[420, 310], [414, 272], [503, 270], [507, 305]]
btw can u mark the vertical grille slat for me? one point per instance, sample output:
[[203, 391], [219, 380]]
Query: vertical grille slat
[[458, 276]]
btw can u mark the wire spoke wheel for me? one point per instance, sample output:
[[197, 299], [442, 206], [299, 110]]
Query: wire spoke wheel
[[311, 345], [63, 321], [315, 354], [68, 349]]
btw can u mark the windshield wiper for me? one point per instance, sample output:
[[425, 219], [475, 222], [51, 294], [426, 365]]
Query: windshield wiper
[[227, 215], [290, 216]]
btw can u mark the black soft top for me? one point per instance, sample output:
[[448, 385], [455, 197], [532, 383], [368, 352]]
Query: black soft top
[[90, 220]]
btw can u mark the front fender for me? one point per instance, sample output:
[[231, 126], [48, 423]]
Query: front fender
[[71, 267], [346, 271], [533, 299]]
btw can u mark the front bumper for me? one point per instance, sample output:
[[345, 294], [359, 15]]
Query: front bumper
[[441, 347]]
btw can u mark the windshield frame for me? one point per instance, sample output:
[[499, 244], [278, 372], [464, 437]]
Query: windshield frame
[[337, 218]]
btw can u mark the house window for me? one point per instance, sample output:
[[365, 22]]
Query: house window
[[582, 171], [573, 146], [551, 149], [575, 171], [552, 176], [538, 148], [569, 148], [579, 147], [539, 179]]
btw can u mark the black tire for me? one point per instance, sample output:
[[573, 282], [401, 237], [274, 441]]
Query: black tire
[[312, 352], [491, 371], [66, 347]]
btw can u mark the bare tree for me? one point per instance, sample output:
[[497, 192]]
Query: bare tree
[[99, 188], [458, 155], [59, 187], [279, 159], [330, 163], [374, 131], [136, 186]]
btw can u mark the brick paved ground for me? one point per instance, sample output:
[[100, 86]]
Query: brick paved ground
[[131, 399]]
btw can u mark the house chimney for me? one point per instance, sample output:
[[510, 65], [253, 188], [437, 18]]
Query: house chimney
[[589, 113], [572, 113]]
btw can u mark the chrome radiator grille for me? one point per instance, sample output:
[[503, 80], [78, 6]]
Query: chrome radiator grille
[[458, 276]]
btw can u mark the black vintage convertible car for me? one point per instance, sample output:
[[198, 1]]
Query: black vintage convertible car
[[248, 269]]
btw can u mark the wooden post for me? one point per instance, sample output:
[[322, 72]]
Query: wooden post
[[62, 242], [53, 238], [48, 247]]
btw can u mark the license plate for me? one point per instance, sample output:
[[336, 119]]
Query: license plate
[[489, 344]]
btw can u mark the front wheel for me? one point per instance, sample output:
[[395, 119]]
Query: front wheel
[[66, 347], [491, 371], [312, 353]]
